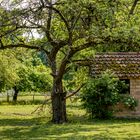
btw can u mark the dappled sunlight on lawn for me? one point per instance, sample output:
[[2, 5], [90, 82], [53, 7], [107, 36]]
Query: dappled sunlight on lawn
[[17, 122], [37, 128]]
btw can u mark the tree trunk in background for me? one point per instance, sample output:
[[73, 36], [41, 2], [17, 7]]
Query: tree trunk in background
[[58, 104], [15, 94], [8, 96]]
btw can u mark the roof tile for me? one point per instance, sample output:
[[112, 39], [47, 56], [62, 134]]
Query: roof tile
[[123, 64]]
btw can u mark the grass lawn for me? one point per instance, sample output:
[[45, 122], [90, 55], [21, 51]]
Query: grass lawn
[[17, 123]]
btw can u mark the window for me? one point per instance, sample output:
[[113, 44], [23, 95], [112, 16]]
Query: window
[[124, 86]]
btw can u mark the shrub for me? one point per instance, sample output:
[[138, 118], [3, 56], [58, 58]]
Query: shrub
[[101, 94], [129, 102]]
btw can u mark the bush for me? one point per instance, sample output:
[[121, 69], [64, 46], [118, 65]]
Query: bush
[[129, 102], [101, 94]]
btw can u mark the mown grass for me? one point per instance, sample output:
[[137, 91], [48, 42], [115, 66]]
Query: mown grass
[[17, 123]]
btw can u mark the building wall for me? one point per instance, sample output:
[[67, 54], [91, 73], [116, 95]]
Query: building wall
[[135, 92]]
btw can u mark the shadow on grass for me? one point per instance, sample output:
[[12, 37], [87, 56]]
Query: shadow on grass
[[37, 128], [20, 122], [22, 102]]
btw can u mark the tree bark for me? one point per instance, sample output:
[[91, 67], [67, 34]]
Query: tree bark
[[58, 103], [15, 94], [8, 97]]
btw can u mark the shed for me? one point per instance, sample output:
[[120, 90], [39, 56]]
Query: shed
[[126, 65]]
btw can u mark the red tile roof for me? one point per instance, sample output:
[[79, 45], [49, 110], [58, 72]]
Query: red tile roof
[[123, 64]]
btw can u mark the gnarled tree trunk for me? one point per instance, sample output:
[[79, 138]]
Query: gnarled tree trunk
[[58, 103]]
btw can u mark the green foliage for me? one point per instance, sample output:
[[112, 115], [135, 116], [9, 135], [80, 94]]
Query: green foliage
[[8, 69], [24, 69], [129, 102], [41, 78], [75, 78], [34, 76], [101, 94], [123, 87]]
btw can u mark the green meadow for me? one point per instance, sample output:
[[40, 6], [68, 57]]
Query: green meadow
[[17, 122]]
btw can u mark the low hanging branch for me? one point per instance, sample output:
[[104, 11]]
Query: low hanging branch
[[39, 48], [133, 7], [42, 106], [74, 92], [18, 46]]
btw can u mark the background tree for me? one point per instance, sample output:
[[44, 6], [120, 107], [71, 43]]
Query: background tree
[[34, 76], [64, 28], [23, 70], [8, 70]]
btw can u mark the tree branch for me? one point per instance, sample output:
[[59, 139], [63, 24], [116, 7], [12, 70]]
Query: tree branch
[[42, 3], [8, 32], [75, 21], [1, 44], [83, 62], [84, 46], [23, 46], [61, 16], [69, 55], [133, 7], [74, 92], [49, 25]]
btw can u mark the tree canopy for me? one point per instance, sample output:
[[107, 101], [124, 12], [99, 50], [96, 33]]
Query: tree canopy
[[8, 70], [24, 70]]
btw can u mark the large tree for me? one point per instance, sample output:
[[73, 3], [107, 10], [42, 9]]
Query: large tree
[[65, 28]]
